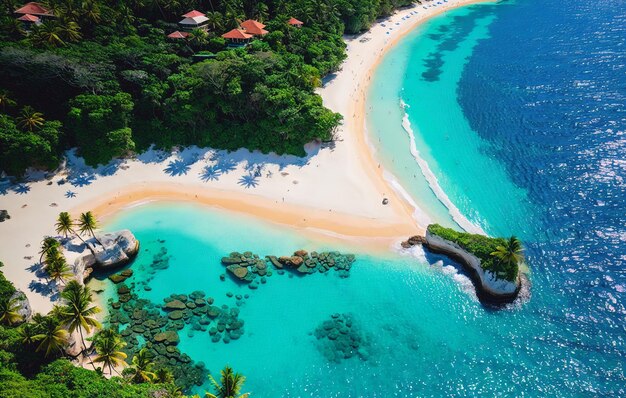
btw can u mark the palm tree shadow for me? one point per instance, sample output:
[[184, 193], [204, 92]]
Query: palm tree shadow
[[81, 180], [49, 290], [21, 189], [249, 181], [177, 168], [210, 173]]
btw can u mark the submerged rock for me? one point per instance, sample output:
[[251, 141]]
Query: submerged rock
[[340, 338]]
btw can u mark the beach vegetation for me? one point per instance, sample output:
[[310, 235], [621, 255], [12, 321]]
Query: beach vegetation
[[56, 267], [229, 385], [104, 77], [108, 345], [141, 370], [48, 246], [9, 314], [30, 364], [87, 223], [64, 224], [78, 313], [52, 337], [500, 256]]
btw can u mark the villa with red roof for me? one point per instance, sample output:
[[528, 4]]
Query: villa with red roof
[[194, 20], [253, 27], [247, 30], [237, 36], [34, 9], [294, 22], [178, 35], [32, 14]]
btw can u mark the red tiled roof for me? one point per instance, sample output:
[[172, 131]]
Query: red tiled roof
[[254, 27], [178, 35], [33, 8], [294, 21], [236, 34], [193, 13], [28, 18]]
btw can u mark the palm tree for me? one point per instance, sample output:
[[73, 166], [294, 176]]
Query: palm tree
[[229, 386], [91, 11], [87, 223], [13, 27], [9, 312], [163, 375], [215, 21], [70, 31], [47, 34], [52, 336], [6, 100], [57, 267], [48, 245], [108, 345], [29, 119], [27, 333], [142, 367], [197, 38], [78, 313], [64, 224], [509, 255]]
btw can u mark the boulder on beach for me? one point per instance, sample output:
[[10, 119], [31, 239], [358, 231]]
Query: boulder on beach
[[113, 250]]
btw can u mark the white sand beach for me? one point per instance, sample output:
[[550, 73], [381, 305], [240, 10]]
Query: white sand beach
[[336, 191]]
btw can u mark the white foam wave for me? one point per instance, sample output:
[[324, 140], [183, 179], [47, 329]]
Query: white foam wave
[[433, 182]]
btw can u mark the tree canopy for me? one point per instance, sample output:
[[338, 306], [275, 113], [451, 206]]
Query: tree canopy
[[104, 77]]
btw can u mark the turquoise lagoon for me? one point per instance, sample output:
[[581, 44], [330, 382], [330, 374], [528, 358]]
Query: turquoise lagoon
[[429, 335]]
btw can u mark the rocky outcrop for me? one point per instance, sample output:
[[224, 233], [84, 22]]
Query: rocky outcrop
[[117, 250], [488, 287], [413, 241], [24, 310], [248, 267]]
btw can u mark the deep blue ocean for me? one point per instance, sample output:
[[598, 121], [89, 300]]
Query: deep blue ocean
[[519, 111]]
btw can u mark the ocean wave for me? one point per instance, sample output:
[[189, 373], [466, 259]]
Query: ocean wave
[[432, 180]]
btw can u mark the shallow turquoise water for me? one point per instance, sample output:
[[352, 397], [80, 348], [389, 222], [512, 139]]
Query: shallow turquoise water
[[430, 337]]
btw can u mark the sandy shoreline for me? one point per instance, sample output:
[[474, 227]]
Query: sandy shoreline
[[333, 193]]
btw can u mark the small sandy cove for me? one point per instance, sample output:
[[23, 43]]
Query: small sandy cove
[[337, 191]]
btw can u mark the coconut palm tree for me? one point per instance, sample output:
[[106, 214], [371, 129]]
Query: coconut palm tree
[[215, 22], [57, 268], [47, 34], [64, 224], [78, 313], [9, 312], [141, 368], [510, 255], [70, 31], [52, 337], [87, 223], [27, 333], [6, 100], [13, 27], [229, 386], [29, 119], [91, 11], [198, 38], [164, 375], [48, 245], [108, 345]]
